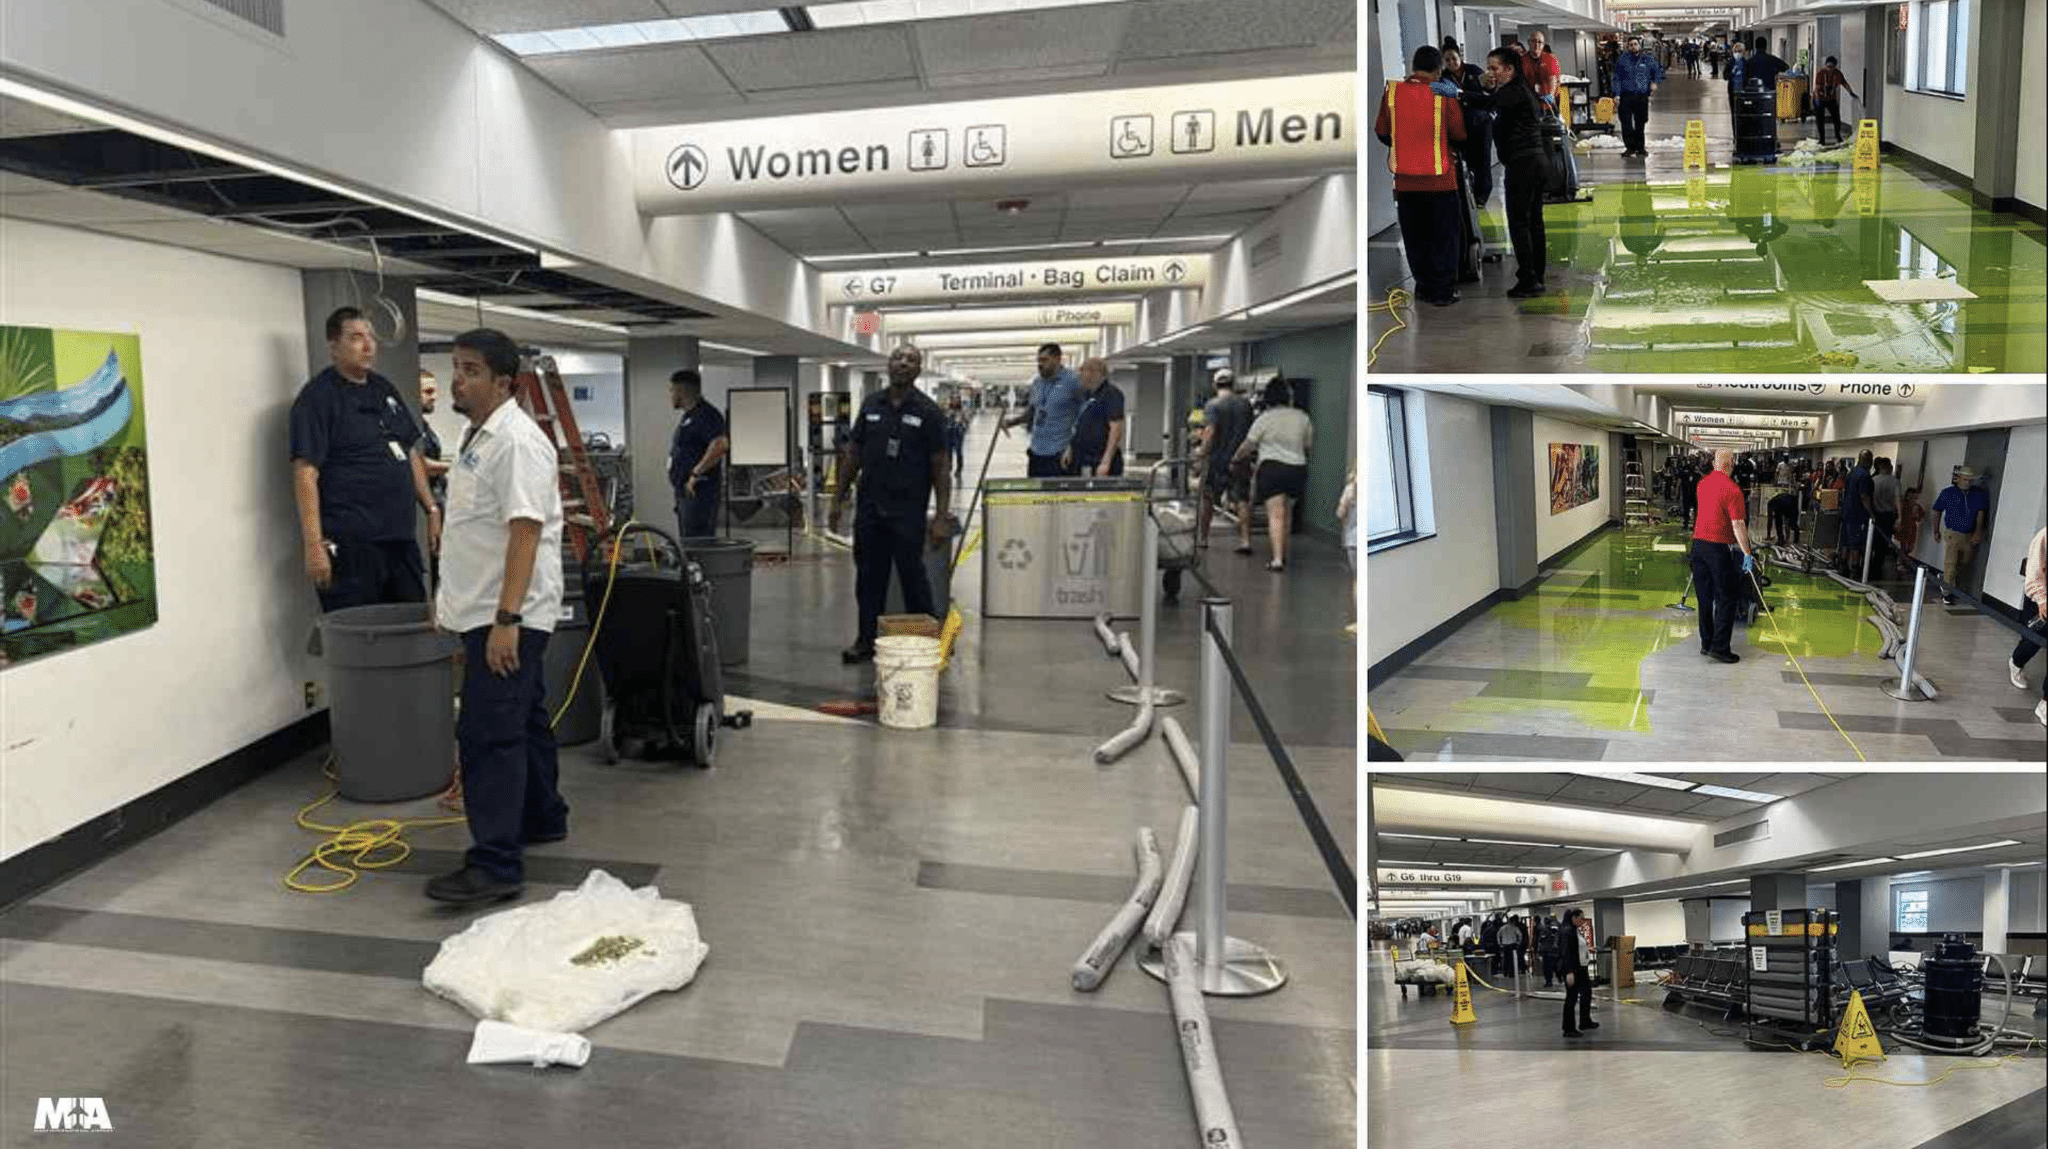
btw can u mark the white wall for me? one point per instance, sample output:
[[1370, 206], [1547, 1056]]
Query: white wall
[[2022, 509], [1728, 918], [1656, 923], [223, 355], [2030, 178], [1946, 407], [1556, 532], [1318, 233], [1952, 903], [1439, 576], [604, 376], [1932, 127], [2029, 904]]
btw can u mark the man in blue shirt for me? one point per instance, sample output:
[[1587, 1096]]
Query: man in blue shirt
[[1960, 510], [1636, 76], [1051, 408], [693, 454], [356, 473], [1099, 428]]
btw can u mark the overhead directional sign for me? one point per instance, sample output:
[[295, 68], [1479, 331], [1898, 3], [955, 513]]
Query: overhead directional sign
[[1010, 318], [1182, 133], [1749, 421], [1823, 393], [1433, 876], [1051, 278]]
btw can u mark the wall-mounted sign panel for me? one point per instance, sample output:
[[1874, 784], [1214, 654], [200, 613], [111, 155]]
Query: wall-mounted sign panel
[[1750, 422], [1039, 280], [1828, 393], [1180, 134], [1029, 337], [1432, 876], [1001, 318]]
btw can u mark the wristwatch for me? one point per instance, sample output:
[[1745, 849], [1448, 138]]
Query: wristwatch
[[508, 618]]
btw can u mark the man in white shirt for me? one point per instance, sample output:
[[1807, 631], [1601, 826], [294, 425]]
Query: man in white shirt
[[501, 590]]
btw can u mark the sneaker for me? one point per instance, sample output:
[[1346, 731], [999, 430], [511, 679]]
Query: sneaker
[[2018, 675], [1589, 1025], [1948, 600], [1724, 656], [1521, 291], [1573, 1033], [857, 653], [470, 885], [2041, 712]]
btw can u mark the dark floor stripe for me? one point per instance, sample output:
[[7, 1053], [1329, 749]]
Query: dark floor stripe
[[2016, 713], [2014, 1125], [1428, 743], [1287, 901], [217, 941]]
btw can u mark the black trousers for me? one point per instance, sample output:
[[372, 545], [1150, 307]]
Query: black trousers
[[1581, 991], [1714, 579], [697, 517], [374, 573], [1549, 963], [2023, 651], [509, 771], [1633, 109], [1042, 466], [1478, 148], [1429, 234], [1825, 110], [1526, 177], [881, 542]]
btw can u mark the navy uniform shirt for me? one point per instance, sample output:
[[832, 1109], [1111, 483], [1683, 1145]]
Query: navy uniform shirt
[[1091, 426], [701, 426], [358, 435], [895, 446]]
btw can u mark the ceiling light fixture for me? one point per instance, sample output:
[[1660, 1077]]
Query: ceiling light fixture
[[730, 347], [1504, 842], [1957, 849], [1639, 779], [1914, 874], [1850, 865], [427, 295], [644, 33], [2012, 865], [1425, 837], [1738, 795]]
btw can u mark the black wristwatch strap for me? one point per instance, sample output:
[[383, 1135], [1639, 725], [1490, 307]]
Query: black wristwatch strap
[[507, 618]]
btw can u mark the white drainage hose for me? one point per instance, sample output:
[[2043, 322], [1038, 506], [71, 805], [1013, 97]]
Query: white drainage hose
[[1183, 755], [1122, 742], [1109, 945], [1129, 654], [1198, 1047], [1107, 636], [1174, 894]]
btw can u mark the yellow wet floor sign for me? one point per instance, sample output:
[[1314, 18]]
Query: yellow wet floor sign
[[1866, 146], [1857, 1040], [1695, 144], [1461, 1002]]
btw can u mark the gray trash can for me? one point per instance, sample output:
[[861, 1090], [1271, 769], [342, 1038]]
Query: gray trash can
[[728, 565], [585, 716], [391, 701]]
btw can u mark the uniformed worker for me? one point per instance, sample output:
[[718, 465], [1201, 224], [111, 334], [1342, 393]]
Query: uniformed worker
[[1097, 449], [694, 452], [1051, 407], [896, 453], [502, 592], [1719, 533], [357, 475]]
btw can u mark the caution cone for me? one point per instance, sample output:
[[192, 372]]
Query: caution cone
[[1396, 951], [1857, 1040], [1461, 1003]]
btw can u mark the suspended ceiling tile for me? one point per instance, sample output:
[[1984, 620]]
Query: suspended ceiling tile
[[1152, 195], [1543, 785], [672, 71], [1195, 27], [493, 16], [796, 217], [927, 213], [1737, 780], [1248, 63], [1720, 808], [953, 80], [816, 59], [1665, 801], [1268, 191], [987, 48]]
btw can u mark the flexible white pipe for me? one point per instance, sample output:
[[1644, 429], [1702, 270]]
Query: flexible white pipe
[[1122, 742], [1174, 894], [1107, 636], [1218, 1125], [1109, 945], [1183, 754], [1129, 654]]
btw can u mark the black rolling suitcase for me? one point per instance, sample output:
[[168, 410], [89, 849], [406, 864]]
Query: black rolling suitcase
[[657, 648], [1471, 241], [1563, 176]]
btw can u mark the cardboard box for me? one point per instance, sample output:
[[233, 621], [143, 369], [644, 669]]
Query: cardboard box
[[891, 625]]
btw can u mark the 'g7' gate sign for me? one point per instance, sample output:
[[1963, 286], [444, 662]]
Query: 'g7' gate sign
[[1434, 877]]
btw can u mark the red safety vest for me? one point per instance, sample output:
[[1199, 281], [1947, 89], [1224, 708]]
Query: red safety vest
[[1417, 144]]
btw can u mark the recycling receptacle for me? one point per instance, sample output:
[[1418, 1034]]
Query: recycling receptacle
[[391, 701], [728, 565], [1063, 548], [584, 718], [938, 571]]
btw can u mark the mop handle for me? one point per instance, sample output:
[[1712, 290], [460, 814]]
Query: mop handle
[[960, 542]]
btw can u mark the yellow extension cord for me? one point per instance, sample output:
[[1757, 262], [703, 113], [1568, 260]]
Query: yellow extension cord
[[1396, 301], [360, 841], [1776, 633]]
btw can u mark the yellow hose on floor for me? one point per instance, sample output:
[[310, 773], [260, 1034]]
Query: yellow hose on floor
[[1397, 300], [1775, 633]]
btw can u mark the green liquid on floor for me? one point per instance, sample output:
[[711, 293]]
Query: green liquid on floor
[[1606, 623]]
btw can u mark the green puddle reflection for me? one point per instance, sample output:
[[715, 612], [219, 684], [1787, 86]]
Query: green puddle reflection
[[1604, 625]]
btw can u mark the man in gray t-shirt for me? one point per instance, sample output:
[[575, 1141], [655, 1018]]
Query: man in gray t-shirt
[[1225, 420]]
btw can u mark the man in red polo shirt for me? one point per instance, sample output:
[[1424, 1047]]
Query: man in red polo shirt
[[1722, 523]]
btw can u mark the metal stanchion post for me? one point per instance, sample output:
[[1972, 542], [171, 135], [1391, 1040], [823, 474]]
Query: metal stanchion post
[[1225, 966], [1903, 689], [1867, 548], [1148, 628]]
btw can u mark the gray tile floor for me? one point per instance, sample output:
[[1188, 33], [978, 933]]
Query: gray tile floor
[[891, 917], [1647, 1076]]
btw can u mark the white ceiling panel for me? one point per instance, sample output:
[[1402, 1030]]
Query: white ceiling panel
[[84, 208], [1020, 41], [1269, 193], [1148, 196], [22, 118], [796, 217], [1196, 27], [949, 81], [493, 16], [816, 59], [669, 71]]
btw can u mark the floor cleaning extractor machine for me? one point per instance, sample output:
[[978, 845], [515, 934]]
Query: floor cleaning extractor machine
[[657, 648]]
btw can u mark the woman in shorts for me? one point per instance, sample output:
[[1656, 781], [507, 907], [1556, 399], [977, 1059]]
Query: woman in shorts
[[1281, 437]]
